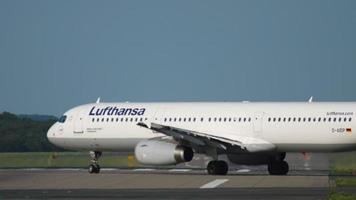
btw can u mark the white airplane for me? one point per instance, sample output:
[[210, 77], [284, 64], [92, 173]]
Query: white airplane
[[171, 133]]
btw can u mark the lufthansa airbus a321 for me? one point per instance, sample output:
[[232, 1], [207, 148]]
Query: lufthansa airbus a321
[[171, 133]]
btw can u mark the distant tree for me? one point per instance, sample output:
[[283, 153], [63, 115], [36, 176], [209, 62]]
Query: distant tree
[[19, 134]]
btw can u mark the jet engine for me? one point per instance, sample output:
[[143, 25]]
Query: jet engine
[[152, 152]]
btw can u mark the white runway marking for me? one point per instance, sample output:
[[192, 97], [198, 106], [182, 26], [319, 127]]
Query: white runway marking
[[109, 169], [179, 170], [243, 170], [49, 169], [214, 183], [144, 169]]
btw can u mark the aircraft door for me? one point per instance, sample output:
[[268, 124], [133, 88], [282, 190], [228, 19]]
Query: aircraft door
[[78, 122], [258, 122]]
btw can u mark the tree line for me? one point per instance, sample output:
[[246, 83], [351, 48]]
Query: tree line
[[23, 134]]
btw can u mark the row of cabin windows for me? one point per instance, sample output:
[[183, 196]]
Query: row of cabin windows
[[309, 119], [119, 119], [215, 119], [225, 119]]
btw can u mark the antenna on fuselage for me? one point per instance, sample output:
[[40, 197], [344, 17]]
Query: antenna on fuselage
[[310, 99], [98, 100]]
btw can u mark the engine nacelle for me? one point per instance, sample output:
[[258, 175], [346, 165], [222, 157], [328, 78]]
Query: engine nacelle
[[151, 152]]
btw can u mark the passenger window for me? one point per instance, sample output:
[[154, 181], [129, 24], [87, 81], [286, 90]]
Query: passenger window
[[350, 119], [345, 119], [269, 119], [319, 119], [175, 119], [112, 119], [93, 120], [97, 119], [334, 119], [209, 119], [201, 119], [284, 119], [340, 119], [179, 119]]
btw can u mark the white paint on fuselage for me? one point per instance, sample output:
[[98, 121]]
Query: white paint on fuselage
[[79, 131]]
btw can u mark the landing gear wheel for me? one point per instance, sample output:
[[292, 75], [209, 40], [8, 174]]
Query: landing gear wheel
[[278, 168], [217, 167], [94, 168]]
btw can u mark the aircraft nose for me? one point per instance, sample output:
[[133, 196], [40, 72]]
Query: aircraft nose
[[51, 133]]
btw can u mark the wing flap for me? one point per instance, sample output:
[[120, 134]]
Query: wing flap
[[249, 144]]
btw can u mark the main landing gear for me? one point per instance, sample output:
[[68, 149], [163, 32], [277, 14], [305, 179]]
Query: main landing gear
[[94, 167], [217, 167], [277, 165]]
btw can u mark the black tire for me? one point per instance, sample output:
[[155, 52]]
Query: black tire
[[278, 168], [91, 169], [217, 167], [97, 170]]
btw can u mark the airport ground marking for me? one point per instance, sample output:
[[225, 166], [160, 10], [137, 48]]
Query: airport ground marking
[[144, 169], [214, 183], [179, 170]]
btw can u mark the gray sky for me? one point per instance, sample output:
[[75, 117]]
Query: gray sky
[[55, 55]]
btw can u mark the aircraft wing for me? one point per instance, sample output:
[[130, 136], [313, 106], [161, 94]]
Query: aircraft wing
[[248, 144]]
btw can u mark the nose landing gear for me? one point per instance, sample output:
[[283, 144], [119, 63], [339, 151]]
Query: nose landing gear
[[94, 167]]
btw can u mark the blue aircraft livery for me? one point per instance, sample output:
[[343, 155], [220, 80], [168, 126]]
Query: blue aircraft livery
[[117, 111]]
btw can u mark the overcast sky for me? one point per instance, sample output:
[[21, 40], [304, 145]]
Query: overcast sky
[[55, 55]]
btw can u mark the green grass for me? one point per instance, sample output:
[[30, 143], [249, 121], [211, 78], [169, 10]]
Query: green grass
[[341, 196], [345, 182], [343, 163], [62, 159]]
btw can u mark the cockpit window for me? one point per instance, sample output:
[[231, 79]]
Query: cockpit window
[[62, 119]]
